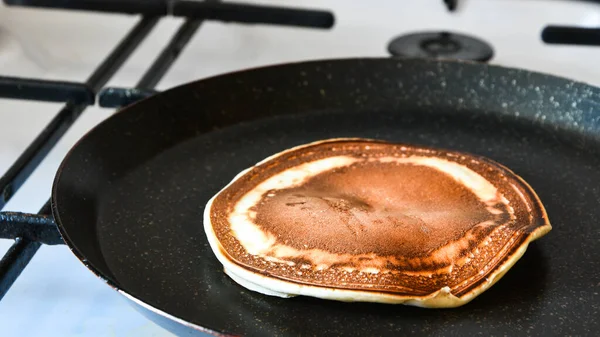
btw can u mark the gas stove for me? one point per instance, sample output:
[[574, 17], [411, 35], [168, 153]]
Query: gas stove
[[47, 53]]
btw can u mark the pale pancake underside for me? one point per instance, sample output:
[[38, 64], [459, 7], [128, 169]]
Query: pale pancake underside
[[274, 286]]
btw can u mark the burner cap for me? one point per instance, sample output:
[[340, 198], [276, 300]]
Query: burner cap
[[441, 45]]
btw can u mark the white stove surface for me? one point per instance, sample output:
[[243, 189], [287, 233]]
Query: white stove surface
[[56, 295]]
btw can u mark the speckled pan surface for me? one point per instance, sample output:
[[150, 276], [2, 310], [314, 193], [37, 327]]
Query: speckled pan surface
[[129, 198]]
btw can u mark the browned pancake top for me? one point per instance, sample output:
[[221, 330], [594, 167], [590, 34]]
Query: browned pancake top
[[388, 217]]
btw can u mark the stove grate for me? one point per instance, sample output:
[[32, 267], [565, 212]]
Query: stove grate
[[30, 231]]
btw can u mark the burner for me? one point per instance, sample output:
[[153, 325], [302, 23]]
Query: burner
[[441, 45]]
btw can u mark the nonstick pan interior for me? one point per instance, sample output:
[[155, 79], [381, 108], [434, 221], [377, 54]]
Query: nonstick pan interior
[[129, 198]]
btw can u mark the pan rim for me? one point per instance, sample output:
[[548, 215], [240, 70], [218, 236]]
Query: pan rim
[[55, 207]]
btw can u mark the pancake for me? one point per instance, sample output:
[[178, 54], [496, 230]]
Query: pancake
[[373, 221]]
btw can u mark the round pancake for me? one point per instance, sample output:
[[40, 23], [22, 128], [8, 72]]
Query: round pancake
[[366, 220]]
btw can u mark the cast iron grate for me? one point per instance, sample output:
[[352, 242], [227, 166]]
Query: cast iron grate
[[30, 231]]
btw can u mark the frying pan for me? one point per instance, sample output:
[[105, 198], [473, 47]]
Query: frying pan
[[129, 197]]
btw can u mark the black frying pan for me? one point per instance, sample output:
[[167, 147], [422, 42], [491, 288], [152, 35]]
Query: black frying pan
[[129, 197]]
